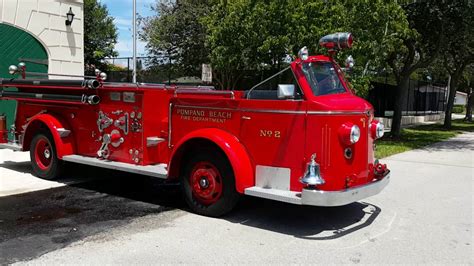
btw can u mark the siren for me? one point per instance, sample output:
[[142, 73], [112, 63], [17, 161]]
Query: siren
[[337, 41]]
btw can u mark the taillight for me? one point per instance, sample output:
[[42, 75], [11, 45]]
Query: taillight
[[377, 129], [349, 133]]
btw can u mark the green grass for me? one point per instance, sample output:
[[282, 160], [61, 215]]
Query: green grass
[[419, 136]]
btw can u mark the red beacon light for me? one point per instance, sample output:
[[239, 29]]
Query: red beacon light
[[337, 41]]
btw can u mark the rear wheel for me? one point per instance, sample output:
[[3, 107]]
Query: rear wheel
[[44, 158], [208, 184]]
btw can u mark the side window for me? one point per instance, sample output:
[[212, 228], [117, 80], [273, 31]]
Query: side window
[[267, 90]]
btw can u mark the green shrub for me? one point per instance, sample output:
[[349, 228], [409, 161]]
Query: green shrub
[[458, 109]]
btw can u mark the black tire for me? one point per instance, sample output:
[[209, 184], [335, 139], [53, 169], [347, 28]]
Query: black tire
[[218, 204], [44, 159]]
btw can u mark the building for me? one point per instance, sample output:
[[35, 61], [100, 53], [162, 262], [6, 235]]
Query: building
[[35, 32], [460, 98]]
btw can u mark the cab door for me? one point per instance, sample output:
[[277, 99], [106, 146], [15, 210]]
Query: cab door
[[273, 131]]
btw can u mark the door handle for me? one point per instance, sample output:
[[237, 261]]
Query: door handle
[[246, 117]]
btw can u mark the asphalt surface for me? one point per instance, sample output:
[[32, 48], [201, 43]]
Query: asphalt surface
[[423, 216]]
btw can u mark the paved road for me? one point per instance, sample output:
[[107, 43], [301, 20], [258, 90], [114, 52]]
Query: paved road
[[423, 216]]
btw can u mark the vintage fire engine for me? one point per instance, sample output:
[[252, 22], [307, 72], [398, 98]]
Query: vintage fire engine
[[300, 136]]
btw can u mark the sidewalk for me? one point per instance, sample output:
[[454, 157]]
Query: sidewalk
[[16, 177]]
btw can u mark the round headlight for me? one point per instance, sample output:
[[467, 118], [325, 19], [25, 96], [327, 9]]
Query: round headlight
[[379, 130], [355, 134]]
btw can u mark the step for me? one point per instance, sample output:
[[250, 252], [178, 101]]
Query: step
[[157, 170], [275, 194], [11, 146]]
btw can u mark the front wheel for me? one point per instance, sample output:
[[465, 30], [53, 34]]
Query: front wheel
[[44, 158], [208, 184]]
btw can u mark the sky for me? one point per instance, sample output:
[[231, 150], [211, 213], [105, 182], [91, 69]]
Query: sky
[[122, 12]]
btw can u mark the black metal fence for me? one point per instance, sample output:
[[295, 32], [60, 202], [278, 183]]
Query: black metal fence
[[422, 98]]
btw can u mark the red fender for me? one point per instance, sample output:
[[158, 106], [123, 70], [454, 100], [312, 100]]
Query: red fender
[[64, 145], [235, 151]]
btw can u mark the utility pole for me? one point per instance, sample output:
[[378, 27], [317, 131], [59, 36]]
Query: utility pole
[[134, 78]]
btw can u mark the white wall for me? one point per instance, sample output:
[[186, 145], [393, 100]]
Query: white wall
[[45, 19], [460, 98]]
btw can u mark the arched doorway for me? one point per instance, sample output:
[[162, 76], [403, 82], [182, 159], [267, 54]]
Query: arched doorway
[[18, 45]]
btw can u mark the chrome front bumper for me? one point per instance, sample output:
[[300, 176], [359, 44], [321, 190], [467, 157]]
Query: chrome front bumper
[[322, 198], [343, 197]]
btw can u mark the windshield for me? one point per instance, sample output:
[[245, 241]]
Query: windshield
[[323, 78]]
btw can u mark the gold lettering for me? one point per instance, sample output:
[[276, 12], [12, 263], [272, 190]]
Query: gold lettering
[[270, 133], [203, 116]]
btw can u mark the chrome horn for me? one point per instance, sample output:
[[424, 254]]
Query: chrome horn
[[312, 176]]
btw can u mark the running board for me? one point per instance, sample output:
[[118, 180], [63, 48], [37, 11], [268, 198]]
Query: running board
[[157, 170], [275, 194], [11, 146]]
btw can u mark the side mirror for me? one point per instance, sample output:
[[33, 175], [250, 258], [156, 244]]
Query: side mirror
[[286, 91]]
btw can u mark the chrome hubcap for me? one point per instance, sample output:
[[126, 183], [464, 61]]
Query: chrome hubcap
[[47, 153], [203, 182]]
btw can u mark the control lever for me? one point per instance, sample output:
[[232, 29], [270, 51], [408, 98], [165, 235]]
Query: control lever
[[103, 151]]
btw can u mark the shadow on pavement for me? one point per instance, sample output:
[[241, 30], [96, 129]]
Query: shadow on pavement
[[309, 222], [36, 223], [452, 144], [22, 167], [39, 222]]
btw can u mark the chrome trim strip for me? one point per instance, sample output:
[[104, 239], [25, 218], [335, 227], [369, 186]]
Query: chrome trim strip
[[156, 170], [337, 112], [170, 112], [321, 198], [343, 197], [276, 111]]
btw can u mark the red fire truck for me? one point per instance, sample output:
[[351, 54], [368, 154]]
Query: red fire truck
[[300, 136]]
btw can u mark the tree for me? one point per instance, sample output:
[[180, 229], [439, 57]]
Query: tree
[[460, 47], [377, 26], [470, 92], [176, 36], [255, 35], [417, 48], [247, 35], [100, 34]]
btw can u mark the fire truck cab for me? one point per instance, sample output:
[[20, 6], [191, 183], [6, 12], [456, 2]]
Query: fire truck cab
[[301, 136]]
